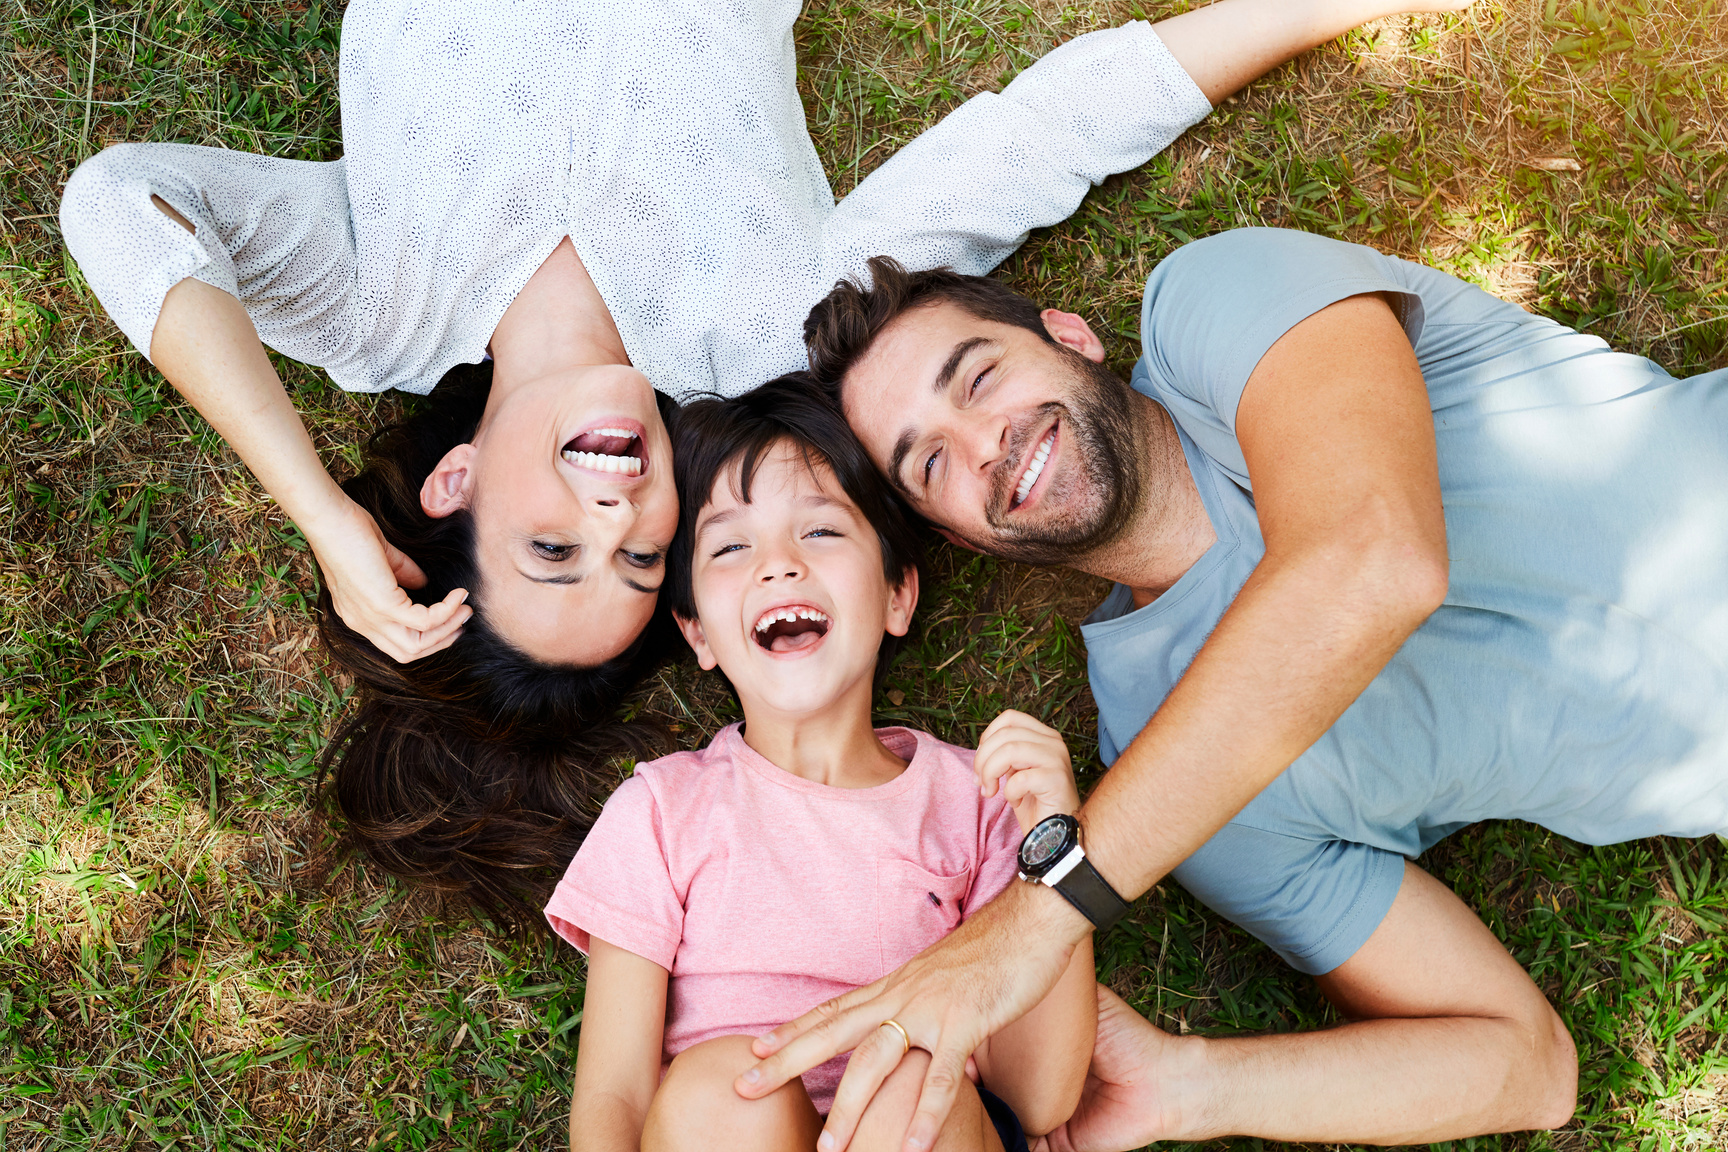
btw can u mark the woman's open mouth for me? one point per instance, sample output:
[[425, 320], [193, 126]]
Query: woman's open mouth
[[791, 628], [614, 449]]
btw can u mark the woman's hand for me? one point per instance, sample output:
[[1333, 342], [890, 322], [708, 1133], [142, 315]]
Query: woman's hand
[[1029, 762], [367, 578]]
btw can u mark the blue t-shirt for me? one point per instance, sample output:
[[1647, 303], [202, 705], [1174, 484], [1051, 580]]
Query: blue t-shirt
[[1577, 675]]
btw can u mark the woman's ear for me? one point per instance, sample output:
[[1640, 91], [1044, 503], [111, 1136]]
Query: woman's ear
[[698, 641], [902, 602], [1071, 331], [451, 484]]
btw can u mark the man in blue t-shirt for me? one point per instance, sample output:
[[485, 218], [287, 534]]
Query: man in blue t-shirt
[[1391, 556]]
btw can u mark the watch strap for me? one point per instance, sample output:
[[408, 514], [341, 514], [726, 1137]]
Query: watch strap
[[1090, 893]]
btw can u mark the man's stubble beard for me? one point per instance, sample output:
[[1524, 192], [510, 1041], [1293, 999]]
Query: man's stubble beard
[[1096, 503]]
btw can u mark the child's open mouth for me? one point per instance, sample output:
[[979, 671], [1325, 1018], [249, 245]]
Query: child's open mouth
[[791, 628]]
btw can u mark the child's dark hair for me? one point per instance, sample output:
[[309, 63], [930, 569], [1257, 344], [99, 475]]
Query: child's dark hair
[[476, 770], [714, 438]]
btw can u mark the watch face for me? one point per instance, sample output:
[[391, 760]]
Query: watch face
[[1044, 844]]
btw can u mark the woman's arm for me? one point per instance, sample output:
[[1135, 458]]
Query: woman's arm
[[618, 1056], [206, 346], [969, 190]]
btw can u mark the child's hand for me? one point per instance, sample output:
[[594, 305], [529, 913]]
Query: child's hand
[[1030, 764]]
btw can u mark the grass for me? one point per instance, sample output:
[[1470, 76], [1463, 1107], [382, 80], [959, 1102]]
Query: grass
[[186, 956]]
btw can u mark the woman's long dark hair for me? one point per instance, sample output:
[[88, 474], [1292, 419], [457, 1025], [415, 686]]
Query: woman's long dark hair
[[476, 770]]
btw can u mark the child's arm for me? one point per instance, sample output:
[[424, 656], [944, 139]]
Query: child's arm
[[1038, 1064], [618, 1058]]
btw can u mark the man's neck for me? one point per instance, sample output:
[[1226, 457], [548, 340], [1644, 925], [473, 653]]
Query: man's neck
[[557, 322], [836, 746], [1171, 530]]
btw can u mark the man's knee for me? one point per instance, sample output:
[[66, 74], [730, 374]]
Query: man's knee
[[1561, 1091], [697, 1108]]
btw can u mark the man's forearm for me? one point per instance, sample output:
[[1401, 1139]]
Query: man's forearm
[[1375, 1082], [1301, 641]]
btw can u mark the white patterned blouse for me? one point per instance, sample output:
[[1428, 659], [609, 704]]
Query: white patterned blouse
[[667, 140]]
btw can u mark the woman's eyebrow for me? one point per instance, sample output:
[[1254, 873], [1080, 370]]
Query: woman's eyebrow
[[574, 578]]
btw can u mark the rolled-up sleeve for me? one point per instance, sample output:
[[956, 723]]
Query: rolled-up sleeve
[[275, 234]]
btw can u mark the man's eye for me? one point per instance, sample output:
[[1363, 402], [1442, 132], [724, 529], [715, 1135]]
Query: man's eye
[[552, 551], [929, 465], [642, 559], [976, 380]]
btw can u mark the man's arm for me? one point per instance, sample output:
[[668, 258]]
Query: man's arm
[[1449, 1038], [1337, 433]]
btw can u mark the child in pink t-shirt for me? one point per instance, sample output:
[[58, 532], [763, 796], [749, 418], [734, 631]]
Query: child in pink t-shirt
[[803, 853]]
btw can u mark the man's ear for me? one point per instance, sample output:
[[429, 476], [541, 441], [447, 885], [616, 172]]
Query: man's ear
[[1071, 331], [902, 600], [958, 541], [451, 484], [698, 641]]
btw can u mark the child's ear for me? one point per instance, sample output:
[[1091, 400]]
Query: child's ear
[[902, 601], [451, 484], [698, 641]]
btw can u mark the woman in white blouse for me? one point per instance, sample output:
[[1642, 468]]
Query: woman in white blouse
[[611, 199]]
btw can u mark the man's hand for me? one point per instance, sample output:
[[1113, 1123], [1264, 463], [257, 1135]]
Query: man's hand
[[1134, 1091], [1029, 761], [984, 975], [367, 578]]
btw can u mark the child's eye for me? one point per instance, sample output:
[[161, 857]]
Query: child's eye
[[725, 548], [821, 532]]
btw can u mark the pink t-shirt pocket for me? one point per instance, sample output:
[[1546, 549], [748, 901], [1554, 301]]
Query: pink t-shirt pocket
[[916, 907]]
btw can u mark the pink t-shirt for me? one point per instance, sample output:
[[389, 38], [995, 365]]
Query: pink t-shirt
[[764, 894]]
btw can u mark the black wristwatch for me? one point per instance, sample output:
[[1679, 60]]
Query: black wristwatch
[[1051, 854]]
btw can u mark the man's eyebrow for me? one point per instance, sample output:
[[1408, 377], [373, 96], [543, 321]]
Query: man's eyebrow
[[897, 458], [946, 376]]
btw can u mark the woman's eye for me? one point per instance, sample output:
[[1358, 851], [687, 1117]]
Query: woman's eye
[[552, 551], [643, 559]]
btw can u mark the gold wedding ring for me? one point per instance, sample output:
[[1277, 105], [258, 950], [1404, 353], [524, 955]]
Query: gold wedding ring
[[904, 1038]]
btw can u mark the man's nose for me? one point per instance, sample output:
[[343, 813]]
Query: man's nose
[[987, 440]]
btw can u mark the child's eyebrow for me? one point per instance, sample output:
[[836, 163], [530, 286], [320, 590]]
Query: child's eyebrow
[[715, 520]]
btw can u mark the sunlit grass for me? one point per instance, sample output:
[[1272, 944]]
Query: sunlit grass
[[185, 956]]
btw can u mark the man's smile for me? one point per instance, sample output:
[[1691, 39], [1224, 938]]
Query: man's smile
[[1035, 468]]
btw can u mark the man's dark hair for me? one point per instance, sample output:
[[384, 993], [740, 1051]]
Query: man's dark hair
[[844, 323], [716, 439]]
